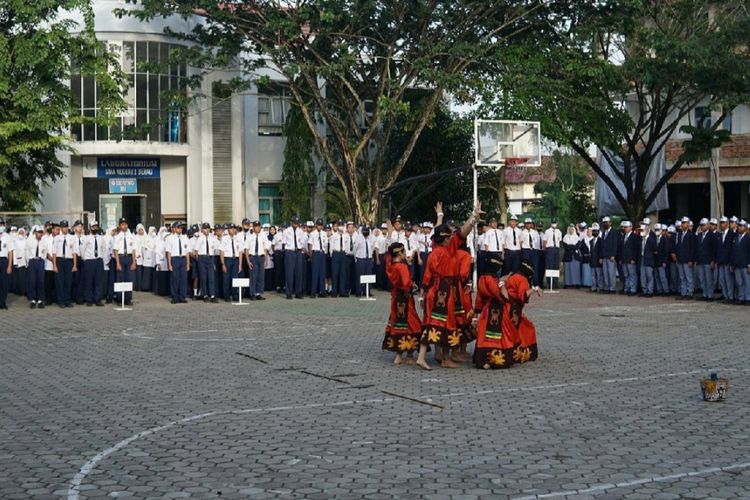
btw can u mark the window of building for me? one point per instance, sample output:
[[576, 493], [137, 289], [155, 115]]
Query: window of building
[[703, 119], [273, 108], [269, 204], [153, 84]]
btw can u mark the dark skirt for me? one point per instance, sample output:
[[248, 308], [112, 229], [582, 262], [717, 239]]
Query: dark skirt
[[161, 283], [147, 278], [18, 281]]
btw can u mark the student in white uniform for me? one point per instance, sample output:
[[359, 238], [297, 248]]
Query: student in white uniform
[[93, 249], [256, 248], [37, 253], [511, 246], [364, 248], [64, 253], [6, 264]]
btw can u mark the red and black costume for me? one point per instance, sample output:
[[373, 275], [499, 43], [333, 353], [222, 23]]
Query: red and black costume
[[404, 328]]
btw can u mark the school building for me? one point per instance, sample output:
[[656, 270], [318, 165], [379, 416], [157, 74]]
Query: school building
[[219, 161]]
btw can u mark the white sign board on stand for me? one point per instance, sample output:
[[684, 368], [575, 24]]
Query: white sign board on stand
[[367, 280], [552, 273], [240, 283], [121, 288]]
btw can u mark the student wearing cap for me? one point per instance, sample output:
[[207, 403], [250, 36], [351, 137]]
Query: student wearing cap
[[6, 264], [204, 250], [318, 246], [596, 259], [269, 232], [630, 251], [706, 260], [215, 235], [110, 269], [511, 246], [611, 246], [725, 238], [295, 242], [92, 253], [364, 248], [76, 293], [339, 271], [51, 230], [257, 251], [674, 268], [571, 244], [740, 263], [493, 241], [552, 242], [647, 256], [177, 247], [37, 253], [379, 255], [661, 260], [64, 252], [352, 286], [230, 257], [124, 249], [278, 259], [685, 250]]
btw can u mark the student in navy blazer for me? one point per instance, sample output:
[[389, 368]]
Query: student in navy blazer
[[706, 259], [629, 251], [740, 263], [647, 253], [610, 253], [662, 260], [725, 241], [685, 255]]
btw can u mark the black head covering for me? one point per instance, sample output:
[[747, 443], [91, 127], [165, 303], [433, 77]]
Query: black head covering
[[441, 233]]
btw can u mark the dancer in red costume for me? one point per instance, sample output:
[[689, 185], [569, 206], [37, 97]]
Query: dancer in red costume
[[495, 344], [404, 328], [439, 327], [515, 323]]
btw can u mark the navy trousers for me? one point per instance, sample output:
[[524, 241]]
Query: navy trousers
[[207, 276], [78, 293], [4, 280], [278, 269], [35, 287], [318, 276], [257, 275], [179, 279], [512, 262], [364, 267], [339, 274], [294, 270], [125, 275], [64, 281], [92, 282], [218, 277], [232, 264]]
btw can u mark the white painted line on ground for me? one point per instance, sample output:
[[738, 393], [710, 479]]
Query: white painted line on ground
[[75, 483], [636, 482], [429, 397]]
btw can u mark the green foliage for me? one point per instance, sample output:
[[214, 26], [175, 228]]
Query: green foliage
[[298, 173], [623, 75], [568, 196], [37, 46]]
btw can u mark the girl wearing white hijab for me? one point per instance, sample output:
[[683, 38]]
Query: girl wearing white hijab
[[18, 279], [140, 239], [147, 276], [585, 250], [572, 258], [161, 274]]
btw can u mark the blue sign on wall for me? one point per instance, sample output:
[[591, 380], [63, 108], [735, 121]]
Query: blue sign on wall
[[123, 186], [133, 168]]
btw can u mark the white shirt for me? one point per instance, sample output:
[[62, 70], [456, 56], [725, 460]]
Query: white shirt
[[397, 237], [381, 244], [493, 240], [177, 245], [531, 240], [553, 237], [37, 248], [5, 246], [205, 245], [363, 247], [349, 243], [93, 247], [230, 246], [295, 239], [340, 242], [19, 251], [64, 246], [318, 241], [278, 242], [411, 244], [123, 243], [425, 244], [511, 242], [256, 241]]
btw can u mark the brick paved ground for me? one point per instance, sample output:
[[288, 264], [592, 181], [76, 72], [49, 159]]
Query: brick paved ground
[[295, 400]]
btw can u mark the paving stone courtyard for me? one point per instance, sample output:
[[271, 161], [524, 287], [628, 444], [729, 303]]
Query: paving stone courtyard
[[295, 399]]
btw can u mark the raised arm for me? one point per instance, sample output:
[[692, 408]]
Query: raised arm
[[468, 226], [439, 213]]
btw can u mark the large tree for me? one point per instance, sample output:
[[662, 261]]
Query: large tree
[[349, 66], [37, 47], [625, 75]]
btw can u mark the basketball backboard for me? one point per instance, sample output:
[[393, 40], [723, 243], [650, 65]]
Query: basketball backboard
[[507, 142]]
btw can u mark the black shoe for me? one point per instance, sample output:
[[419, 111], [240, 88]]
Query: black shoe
[[128, 302], [260, 297], [687, 297], [680, 297], [214, 300], [183, 301], [298, 297], [108, 301], [69, 304], [252, 297], [89, 304], [313, 296], [40, 305], [288, 297], [79, 303], [344, 295], [99, 304], [322, 295], [173, 301], [32, 305]]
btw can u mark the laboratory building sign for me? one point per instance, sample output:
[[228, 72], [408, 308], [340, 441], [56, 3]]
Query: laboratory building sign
[[132, 168]]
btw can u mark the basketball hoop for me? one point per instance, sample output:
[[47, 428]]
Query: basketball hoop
[[514, 161]]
